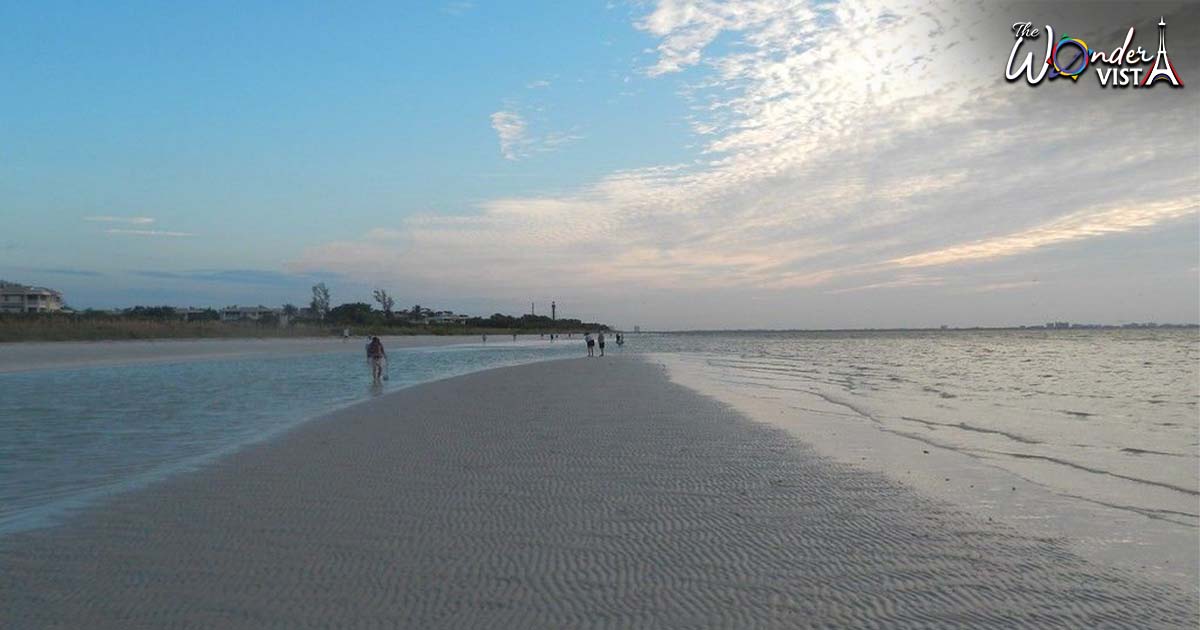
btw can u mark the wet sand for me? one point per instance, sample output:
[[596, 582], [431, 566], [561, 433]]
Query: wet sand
[[39, 355], [579, 493]]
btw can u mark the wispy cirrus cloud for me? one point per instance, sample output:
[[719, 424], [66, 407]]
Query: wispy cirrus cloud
[[457, 7], [510, 130], [164, 233], [61, 271], [120, 220], [516, 142], [1072, 227], [840, 147], [125, 220], [257, 277]]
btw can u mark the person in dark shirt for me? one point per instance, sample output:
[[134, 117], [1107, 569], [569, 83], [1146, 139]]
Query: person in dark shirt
[[376, 356]]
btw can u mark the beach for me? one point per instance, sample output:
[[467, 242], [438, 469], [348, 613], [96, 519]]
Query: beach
[[1089, 437], [567, 493], [41, 355]]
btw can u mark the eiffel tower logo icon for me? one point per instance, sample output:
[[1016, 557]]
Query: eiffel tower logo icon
[[1162, 64]]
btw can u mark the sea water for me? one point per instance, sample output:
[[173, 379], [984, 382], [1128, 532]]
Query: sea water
[[69, 437], [1091, 436]]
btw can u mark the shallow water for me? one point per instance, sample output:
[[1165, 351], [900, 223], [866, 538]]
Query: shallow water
[[71, 436], [1115, 405], [1090, 435]]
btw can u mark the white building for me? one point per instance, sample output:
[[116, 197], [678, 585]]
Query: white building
[[188, 313], [446, 317], [251, 313], [19, 298]]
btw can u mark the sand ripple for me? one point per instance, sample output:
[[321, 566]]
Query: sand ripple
[[589, 494]]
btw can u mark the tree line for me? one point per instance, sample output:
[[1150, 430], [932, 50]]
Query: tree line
[[321, 313], [365, 314]]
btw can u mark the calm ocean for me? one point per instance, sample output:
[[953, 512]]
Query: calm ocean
[[69, 437]]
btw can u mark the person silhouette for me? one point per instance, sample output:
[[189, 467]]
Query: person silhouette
[[376, 356]]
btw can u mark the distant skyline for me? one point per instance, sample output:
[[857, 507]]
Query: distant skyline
[[671, 164]]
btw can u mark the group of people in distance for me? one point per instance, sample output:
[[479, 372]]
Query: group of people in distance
[[377, 356], [599, 341]]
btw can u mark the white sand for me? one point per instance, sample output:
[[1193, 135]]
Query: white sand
[[580, 493], [17, 357]]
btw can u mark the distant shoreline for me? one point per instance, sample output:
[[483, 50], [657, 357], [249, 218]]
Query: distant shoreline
[[14, 330], [938, 330], [38, 329]]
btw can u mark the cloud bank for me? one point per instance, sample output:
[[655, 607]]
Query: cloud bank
[[845, 149]]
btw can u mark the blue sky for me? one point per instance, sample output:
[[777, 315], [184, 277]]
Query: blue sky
[[237, 120], [671, 163]]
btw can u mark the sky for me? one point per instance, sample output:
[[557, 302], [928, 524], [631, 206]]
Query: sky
[[672, 164]]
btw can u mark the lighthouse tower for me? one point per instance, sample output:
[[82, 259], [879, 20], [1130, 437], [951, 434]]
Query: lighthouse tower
[[1162, 64]]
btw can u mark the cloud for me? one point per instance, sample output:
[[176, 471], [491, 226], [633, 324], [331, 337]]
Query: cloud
[[164, 233], [517, 143], [134, 231], [510, 129], [538, 84], [1003, 286], [685, 28], [127, 220], [1075, 226], [840, 147], [84, 273], [385, 234], [554, 140], [457, 8], [256, 277], [906, 281]]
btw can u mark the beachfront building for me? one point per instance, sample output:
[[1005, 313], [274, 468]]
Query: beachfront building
[[248, 313], [191, 313], [446, 317], [20, 298]]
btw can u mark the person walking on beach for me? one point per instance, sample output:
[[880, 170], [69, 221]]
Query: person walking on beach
[[376, 355], [600, 342], [485, 338], [591, 344]]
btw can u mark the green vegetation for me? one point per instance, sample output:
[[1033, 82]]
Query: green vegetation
[[421, 321], [164, 322], [61, 327]]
